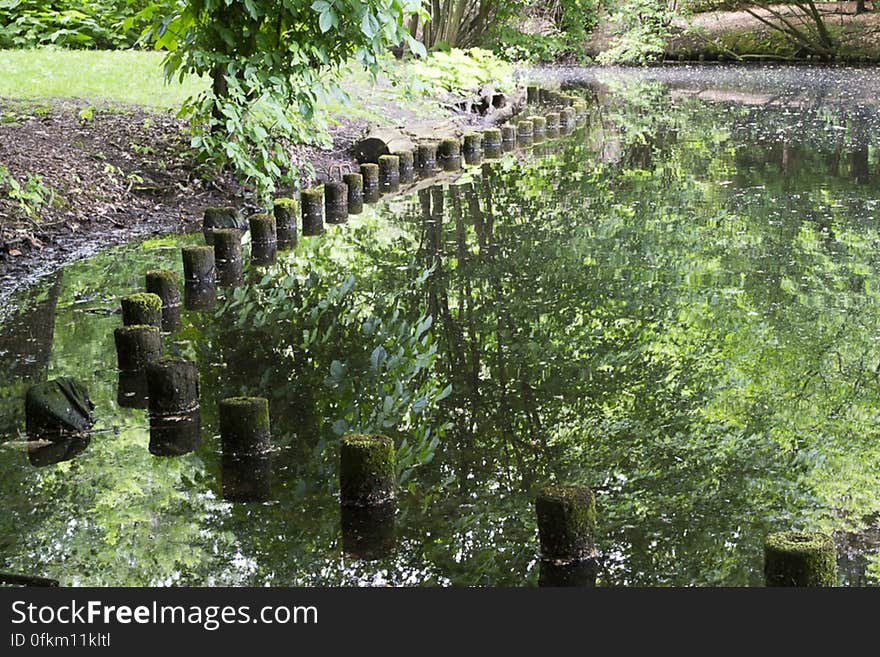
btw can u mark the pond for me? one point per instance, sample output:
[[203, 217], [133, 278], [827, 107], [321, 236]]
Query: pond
[[678, 305]]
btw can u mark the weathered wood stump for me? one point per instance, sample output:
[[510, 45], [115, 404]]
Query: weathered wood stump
[[355, 184], [173, 386], [473, 148], [198, 265], [508, 138], [244, 425], [366, 470], [370, 173], [566, 522], [264, 239], [800, 559], [312, 202], [539, 129], [407, 166], [227, 256], [427, 156], [533, 95], [524, 133], [492, 143], [552, 123], [389, 174], [335, 202], [136, 346], [165, 284], [285, 210]]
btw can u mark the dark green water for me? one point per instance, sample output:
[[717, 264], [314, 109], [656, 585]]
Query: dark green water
[[678, 305]]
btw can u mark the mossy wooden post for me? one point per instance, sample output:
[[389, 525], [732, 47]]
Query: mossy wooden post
[[227, 256], [198, 265], [545, 95], [366, 470], [473, 148], [566, 522], [264, 239], [285, 211], [389, 174], [508, 138], [370, 173], [427, 159], [449, 154], [552, 122], [539, 129], [217, 218], [800, 559], [312, 203], [581, 573], [533, 95], [173, 386], [492, 143], [136, 346], [336, 202], [165, 284], [524, 133], [355, 184], [580, 111], [244, 425], [407, 167], [141, 308]]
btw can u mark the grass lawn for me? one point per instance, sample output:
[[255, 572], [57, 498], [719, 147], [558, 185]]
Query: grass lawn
[[122, 76]]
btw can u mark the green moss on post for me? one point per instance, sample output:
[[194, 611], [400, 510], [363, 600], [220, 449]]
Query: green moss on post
[[449, 154], [165, 284], [285, 211], [552, 123], [389, 174], [366, 470], [508, 138], [141, 308], [199, 296], [566, 521], [264, 239], [355, 184], [312, 202], [198, 265], [136, 346], [370, 173], [173, 386], [407, 166], [427, 156], [227, 256], [336, 202], [539, 129], [244, 425], [524, 133], [492, 143], [473, 148], [800, 559]]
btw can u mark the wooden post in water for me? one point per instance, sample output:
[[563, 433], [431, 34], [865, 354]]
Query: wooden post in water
[[355, 184], [449, 154], [336, 202], [539, 129], [566, 522], [165, 284], [136, 346], [533, 95], [175, 420], [473, 148], [800, 559], [244, 425], [427, 159], [492, 143], [366, 470], [285, 210], [199, 273], [312, 202], [508, 137], [141, 308], [552, 122], [524, 133], [389, 174], [227, 256], [407, 167], [264, 239], [370, 172]]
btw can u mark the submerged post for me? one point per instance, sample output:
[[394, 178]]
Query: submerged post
[[141, 308], [533, 95], [264, 239], [199, 272], [312, 202], [552, 122], [336, 202], [539, 129], [227, 256], [370, 173], [165, 284], [244, 425], [366, 470], [473, 148], [175, 420], [524, 133], [427, 159], [284, 210], [800, 559], [389, 173], [508, 138]]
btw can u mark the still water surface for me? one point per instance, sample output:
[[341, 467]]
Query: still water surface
[[678, 305]]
